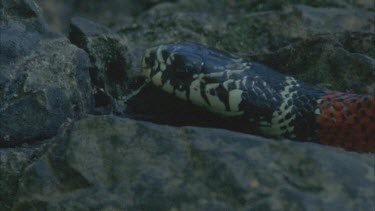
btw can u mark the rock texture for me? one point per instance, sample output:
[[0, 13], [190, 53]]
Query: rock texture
[[13, 161], [108, 12], [44, 80], [110, 72], [110, 163]]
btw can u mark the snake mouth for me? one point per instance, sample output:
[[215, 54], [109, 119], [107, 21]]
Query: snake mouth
[[147, 61]]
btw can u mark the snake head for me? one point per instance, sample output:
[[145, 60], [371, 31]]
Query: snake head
[[175, 62], [195, 73], [184, 61]]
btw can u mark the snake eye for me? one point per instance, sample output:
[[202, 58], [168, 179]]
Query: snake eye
[[185, 72], [184, 68]]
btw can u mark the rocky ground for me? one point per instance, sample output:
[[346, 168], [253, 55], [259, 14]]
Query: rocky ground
[[72, 140]]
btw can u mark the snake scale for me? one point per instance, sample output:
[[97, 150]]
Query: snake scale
[[273, 104]]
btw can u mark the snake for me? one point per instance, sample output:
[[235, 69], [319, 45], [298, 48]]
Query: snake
[[271, 103]]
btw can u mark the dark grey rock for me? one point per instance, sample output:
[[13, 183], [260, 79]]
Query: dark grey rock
[[26, 10], [107, 162], [87, 28], [16, 42], [13, 161], [108, 12], [44, 80], [114, 13], [111, 63], [268, 31], [328, 62]]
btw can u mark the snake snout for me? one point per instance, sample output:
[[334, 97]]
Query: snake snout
[[157, 61], [149, 65]]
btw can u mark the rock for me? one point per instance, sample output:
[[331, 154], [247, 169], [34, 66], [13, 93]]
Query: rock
[[13, 161], [21, 26], [57, 13], [268, 31], [220, 8], [359, 42], [44, 80], [22, 10], [106, 162], [115, 13], [327, 62], [108, 12], [111, 63]]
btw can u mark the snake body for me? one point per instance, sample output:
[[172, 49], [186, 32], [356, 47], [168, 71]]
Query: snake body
[[271, 103]]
